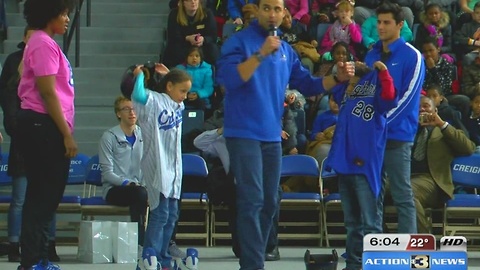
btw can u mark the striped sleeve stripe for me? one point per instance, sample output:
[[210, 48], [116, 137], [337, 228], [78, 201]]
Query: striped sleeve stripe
[[409, 94]]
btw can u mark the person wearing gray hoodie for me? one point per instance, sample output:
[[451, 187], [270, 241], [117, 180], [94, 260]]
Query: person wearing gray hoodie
[[120, 153]]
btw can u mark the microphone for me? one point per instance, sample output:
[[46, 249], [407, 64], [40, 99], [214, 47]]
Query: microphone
[[273, 31]]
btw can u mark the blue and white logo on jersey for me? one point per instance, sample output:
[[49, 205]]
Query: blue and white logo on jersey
[[169, 119], [367, 89]]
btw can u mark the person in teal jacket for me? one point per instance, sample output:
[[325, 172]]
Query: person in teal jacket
[[202, 80], [370, 32]]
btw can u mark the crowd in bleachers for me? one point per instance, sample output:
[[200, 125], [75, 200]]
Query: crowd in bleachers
[[445, 32]]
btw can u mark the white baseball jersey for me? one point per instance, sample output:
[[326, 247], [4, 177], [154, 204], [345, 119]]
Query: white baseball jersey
[[161, 122]]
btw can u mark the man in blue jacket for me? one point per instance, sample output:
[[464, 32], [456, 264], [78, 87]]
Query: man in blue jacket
[[407, 69], [255, 69]]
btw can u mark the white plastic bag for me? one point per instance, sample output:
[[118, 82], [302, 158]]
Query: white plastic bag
[[125, 242], [95, 242]]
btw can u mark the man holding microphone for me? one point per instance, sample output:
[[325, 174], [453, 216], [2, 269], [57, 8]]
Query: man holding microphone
[[255, 68]]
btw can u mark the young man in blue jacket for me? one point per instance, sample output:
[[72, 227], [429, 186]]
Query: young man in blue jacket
[[407, 69], [255, 69]]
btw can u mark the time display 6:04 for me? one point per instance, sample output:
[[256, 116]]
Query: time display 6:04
[[398, 242]]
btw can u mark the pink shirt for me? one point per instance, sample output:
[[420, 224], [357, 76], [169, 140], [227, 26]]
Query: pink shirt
[[43, 57], [297, 8]]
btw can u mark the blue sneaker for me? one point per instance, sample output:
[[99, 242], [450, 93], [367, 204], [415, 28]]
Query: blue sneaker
[[188, 263], [150, 261], [45, 265]]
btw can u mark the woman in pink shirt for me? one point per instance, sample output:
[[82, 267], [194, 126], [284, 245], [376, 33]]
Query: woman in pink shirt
[[45, 124], [299, 10]]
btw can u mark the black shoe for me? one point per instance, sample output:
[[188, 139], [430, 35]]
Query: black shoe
[[236, 251], [273, 255], [14, 252], [52, 252]]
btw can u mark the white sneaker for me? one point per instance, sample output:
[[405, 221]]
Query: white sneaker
[[189, 263], [148, 261]]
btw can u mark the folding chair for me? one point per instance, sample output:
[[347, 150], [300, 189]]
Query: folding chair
[[311, 227], [462, 213], [93, 205], [5, 180], [196, 167], [332, 205]]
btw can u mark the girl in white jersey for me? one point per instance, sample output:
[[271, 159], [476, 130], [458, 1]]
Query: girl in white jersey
[[160, 117]]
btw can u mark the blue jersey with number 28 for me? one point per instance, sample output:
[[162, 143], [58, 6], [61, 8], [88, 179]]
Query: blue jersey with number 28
[[361, 132]]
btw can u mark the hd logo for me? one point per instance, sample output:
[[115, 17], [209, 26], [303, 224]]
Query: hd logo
[[420, 262]]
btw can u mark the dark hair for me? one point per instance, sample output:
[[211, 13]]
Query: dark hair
[[433, 5], [362, 70], [394, 9], [341, 44], [437, 87], [39, 13], [257, 2], [174, 76], [429, 100], [431, 39], [127, 82], [477, 5], [195, 49]]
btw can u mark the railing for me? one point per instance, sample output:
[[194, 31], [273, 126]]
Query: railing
[[75, 30]]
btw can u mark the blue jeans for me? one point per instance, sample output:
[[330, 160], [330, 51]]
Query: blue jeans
[[256, 167], [396, 166], [161, 222], [361, 215], [19, 186]]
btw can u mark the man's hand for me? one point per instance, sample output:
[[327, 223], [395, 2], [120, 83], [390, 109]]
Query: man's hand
[[432, 119], [285, 135], [380, 66], [238, 21], [320, 136], [70, 146], [345, 71], [294, 151], [270, 45], [161, 69]]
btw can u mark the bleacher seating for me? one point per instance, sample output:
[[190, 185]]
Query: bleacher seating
[[194, 167], [462, 213], [93, 204], [5, 180], [311, 228]]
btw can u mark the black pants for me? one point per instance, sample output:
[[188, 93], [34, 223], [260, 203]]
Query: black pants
[[46, 167], [136, 198]]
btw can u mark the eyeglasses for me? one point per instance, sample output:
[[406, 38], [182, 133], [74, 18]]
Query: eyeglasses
[[127, 109]]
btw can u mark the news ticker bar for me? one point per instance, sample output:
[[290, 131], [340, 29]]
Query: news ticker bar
[[412, 242], [406, 260]]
